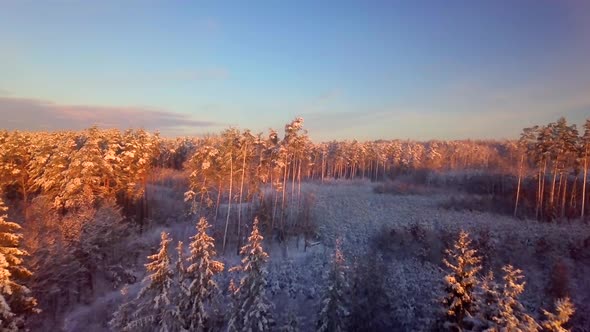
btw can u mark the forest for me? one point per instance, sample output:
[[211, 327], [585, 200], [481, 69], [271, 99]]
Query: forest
[[110, 230]]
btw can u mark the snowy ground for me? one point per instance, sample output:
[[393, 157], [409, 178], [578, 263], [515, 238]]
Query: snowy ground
[[410, 233]]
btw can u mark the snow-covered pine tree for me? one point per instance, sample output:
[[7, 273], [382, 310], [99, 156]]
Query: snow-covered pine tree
[[198, 283], [333, 306], [154, 307], [253, 308], [123, 315], [16, 300], [487, 304], [464, 264], [370, 305], [512, 315], [564, 309]]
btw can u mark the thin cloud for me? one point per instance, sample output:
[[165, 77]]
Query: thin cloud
[[34, 114]]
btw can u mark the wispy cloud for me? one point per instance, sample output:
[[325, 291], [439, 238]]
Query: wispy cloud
[[35, 114]]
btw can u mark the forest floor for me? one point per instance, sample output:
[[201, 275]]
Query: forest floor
[[410, 233]]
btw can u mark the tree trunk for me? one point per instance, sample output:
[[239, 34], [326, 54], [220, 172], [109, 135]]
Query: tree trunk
[[299, 185], [574, 193], [240, 205], [323, 167], [539, 194], [584, 184], [542, 198], [231, 180], [518, 186], [564, 197], [283, 201], [552, 194], [218, 200]]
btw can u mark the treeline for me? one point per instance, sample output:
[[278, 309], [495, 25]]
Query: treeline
[[555, 156], [75, 169], [238, 166]]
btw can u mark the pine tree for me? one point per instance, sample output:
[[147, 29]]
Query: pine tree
[[512, 315], [464, 264], [370, 307], [154, 300], [333, 306], [16, 300], [198, 280], [123, 315], [252, 311], [487, 304], [555, 322]]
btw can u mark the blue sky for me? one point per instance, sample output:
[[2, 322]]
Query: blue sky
[[352, 69]]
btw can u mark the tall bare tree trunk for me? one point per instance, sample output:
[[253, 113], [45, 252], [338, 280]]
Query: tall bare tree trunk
[[283, 201], [564, 197], [552, 194], [584, 184], [518, 186], [542, 198], [218, 200], [323, 167], [240, 205], [231, 180], [299, 185], [539, 195], [574, 193]]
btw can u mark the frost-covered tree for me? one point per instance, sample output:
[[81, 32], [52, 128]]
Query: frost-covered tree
[[198, 284], [555, 322], [154, 307], [370, 305], [16, 300], [124, 313], [487, 304], [252, 310], [334, 310], [512, 315], [463, 264], [16, 157]]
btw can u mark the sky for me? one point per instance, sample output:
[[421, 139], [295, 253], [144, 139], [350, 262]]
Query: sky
[[352, 69]]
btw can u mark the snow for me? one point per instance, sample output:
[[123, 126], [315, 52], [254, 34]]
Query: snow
[[352, 211]]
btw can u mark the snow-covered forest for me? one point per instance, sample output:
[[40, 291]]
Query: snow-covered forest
[[109, 230]]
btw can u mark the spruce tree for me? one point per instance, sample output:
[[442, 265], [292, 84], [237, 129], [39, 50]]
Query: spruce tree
[[487, 304], [124, 313], [198, 284], [252, 310], [333, 306], [555, 322], [512, 315], [16, 300], [154, 307], [464, 264]]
